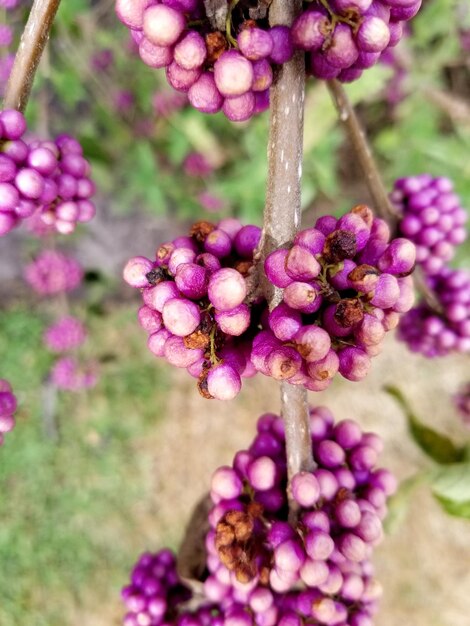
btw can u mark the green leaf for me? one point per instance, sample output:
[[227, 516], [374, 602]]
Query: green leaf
[[456, 509], [451, 488], [436, 445], [452, 482]]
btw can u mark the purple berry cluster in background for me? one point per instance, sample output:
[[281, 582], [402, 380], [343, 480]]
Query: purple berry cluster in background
[[46, 178], [65, 334], [230, 71], [262, 570], [433, 333], [344, 284], [462, 403], [68, 374], [7, 409], [342, 38], [432, 217], [53, 272]]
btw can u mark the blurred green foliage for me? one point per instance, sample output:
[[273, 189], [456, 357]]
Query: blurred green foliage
[[67, 505]]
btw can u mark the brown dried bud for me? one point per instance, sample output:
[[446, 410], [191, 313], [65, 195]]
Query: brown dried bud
[[342, 494], [365, 212], [264, 575], [200, 230], [225, 535], [248, 24], [197, 340], [202, 385], [364, 277], [155, 276], [340, 245], [216, 43], [349, 311], [244, 529], [255, 509], [227, 557], [236, 543], [245, 572], [164, 251], [243, 267]]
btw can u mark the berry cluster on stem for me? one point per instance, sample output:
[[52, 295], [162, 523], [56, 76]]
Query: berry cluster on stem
[[7, 409], [47, 179]]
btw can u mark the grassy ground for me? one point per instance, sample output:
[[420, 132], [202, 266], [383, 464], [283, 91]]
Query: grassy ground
[[68, 506]]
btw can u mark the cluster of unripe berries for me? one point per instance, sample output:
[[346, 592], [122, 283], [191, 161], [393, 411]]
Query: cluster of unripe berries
[[342, 38], [156, 595], [344, 286], [217, 70], [51, 178], [232, 66], [7, 409], [194, 308], [433, 218], [261, 568]]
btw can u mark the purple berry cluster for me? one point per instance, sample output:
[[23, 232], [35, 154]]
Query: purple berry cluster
[[53, 272], [65, 334], [156, 595], [194, 303], [261, 568], [345, 285], [7, 409], [18, 183], [317, 570], [433, 333], [68, 374], [432, 217], [68, 187], [229, 71], [345, 37], [462, 403], [44, 177]]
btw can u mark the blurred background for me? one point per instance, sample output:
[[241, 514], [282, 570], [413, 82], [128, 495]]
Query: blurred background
[[89, 480]]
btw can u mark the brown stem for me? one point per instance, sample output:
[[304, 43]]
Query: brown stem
[[372, 176], [33, 41], [358, 138], [282, 216]]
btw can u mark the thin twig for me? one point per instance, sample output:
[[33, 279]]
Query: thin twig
[[371, 173], [33, 41], [282, 216], [361, 146]]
